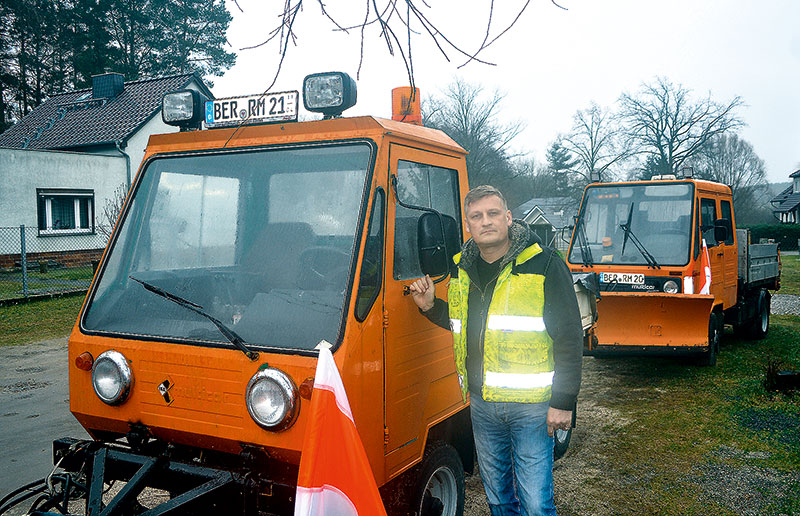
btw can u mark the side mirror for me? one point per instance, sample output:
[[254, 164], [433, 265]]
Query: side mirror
[[437, 242], [722, 229]]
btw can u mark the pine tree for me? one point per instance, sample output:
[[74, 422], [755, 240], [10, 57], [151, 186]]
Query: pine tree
[[50, 46], [560, 163]]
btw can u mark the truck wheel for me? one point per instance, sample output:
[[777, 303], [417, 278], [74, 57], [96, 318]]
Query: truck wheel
[[438, 486], [709, 358], [561, 443], [760, 325]]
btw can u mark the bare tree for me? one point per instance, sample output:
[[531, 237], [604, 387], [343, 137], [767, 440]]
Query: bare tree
[[666, 123], [471, 118], [594, 141], [731, 160], [111, 210], [530, 179]]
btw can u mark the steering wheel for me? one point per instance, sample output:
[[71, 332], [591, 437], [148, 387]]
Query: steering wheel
[[321, 264]]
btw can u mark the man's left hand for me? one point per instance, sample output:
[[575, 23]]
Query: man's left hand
[[558, 419]]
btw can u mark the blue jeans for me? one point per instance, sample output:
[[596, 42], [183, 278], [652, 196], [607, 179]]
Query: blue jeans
[[515, 456]]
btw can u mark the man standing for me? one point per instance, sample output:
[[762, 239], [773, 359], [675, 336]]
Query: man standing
[[518, 346]]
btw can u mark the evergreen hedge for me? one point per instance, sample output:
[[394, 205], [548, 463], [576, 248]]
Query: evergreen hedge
[[785, 234]]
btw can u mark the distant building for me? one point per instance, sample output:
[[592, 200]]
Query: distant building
[[60, 163], [786, 205], [551, 218]]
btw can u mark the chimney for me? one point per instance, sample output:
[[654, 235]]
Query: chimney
[[107, 85]]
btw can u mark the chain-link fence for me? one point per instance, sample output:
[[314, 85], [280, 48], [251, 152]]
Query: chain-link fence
[[35, 262]]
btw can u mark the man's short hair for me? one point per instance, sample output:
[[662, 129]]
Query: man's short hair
[[479, 192]]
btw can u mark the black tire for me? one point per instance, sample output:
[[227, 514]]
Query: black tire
[[709, 358], [437, 487], [561, 440], [758, 327]]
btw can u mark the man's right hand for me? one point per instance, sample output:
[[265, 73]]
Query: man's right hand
[[422, 292]]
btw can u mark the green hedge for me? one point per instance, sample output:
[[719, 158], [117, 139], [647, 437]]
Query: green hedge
[[786, 234]]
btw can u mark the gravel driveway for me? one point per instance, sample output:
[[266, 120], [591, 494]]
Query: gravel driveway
[[785, 304]]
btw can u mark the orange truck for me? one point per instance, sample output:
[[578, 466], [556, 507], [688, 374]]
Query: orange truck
[[644, 241], [241, 246]]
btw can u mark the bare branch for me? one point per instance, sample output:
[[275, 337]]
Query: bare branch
[[389, 16], [483, 47], [329, 17], [111, 210]]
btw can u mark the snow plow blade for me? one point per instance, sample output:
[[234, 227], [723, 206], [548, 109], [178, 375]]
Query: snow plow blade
[[659, 323]]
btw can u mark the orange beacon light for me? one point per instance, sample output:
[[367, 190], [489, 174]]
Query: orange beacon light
[[406, 105]]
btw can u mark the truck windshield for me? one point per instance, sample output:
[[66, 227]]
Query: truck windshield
[[262, 240], [659, 215]]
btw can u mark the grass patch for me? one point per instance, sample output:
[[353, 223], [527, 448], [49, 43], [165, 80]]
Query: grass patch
[[38, 320], [54, 280], [790, 275], [690, 427]]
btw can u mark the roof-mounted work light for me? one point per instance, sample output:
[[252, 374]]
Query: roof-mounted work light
[[185, 109], [329, 93], [686, 173]]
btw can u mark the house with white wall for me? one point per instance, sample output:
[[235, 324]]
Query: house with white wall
[[61, 163], [786, 205]]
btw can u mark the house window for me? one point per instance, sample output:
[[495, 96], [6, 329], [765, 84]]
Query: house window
[[65, 211]]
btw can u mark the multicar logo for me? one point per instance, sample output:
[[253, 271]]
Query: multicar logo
[[643, 287], [197, 393], [164, 388]]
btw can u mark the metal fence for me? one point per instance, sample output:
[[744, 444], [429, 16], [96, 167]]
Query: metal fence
[[35, 262]]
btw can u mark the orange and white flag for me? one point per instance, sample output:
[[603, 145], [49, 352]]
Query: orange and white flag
[[705, 266], [335, 478]]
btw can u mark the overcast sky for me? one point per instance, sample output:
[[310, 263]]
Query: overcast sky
[[554, 62]]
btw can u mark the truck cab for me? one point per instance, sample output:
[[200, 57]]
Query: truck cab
[[648, 242], [239, 249]]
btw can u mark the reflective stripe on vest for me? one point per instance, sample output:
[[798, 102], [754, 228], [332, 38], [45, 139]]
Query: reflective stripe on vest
[[515, 323], [519, 380], [518, 364]]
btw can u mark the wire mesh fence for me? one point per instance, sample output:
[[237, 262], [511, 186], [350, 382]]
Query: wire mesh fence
[[36, 262]]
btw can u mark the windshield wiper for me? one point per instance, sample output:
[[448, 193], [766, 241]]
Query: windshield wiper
[[586, 252], [229, 334], [626, 227]]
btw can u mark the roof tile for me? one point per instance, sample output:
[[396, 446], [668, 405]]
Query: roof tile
[[75, 119]]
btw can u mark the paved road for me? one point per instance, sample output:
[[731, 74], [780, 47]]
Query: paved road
[[34, 410]]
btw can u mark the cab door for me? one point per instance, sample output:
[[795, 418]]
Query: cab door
[[730, 256], [421, 386], [708, 214]]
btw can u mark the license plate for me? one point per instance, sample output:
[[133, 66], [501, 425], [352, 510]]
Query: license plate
[[252, 109], [622, 277]]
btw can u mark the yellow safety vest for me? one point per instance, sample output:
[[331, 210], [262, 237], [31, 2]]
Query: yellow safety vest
[[518, 361]]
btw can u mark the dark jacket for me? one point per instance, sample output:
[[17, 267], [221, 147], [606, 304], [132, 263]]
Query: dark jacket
[[561, 314]]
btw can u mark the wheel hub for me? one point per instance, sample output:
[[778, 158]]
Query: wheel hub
[[441, 494]]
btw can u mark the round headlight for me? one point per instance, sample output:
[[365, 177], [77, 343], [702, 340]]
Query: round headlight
[[271, 399], [112, 377], [670, 287]]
